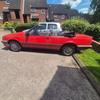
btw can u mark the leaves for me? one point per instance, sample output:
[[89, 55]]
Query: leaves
[[95, 5], [82, 26]]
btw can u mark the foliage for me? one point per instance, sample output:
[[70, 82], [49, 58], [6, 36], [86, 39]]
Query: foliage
[[68, 6], [0, 24], [10, 26], [82, 26], [35, 19], [92, 61], [95, 6], [76, 25], [94, 30], [25, 26]]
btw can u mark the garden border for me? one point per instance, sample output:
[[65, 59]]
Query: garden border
[[96, 46], [92, 79]]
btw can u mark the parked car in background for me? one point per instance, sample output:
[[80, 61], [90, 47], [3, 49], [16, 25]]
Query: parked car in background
[[66, 42], [53, 27]]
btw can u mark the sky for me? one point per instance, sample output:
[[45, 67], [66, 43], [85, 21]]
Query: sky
[[80, 5]]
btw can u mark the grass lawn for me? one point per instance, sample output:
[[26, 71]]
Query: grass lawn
[[92, 61]]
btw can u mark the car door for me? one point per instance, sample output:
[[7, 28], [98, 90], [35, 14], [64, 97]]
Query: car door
[[38, 38], [56, 41]]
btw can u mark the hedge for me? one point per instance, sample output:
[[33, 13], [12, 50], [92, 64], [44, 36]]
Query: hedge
[[82, 26], [76, 25], [94, 30], [12, 26], [25, 26]]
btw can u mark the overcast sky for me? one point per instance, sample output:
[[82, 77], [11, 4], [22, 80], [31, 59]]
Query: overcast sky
[[80, 5]]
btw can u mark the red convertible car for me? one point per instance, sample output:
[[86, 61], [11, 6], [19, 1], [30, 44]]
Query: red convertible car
[[66, 42]]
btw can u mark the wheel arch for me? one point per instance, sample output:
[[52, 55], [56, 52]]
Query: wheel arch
[[14, 41], [69, 44]]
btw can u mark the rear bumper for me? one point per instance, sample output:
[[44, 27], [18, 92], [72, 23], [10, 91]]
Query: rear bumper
[[5, 43]]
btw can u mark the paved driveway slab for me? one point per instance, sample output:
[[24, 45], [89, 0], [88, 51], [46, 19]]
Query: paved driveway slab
[[38, 75]]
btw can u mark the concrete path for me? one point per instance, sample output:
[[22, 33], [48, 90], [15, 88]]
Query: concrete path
[[40, 75]]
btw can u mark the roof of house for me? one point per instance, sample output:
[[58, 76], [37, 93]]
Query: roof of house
[[15, 4], [60, 9], [27, 7], [39, 4]]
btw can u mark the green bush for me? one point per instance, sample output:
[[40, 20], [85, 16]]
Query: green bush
[[25, 26], [0, 24], [94, 30], [10, 26], [76, 25], [82, 26]]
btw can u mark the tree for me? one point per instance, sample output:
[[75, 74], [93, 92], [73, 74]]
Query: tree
[[68, 6], [95, 6]]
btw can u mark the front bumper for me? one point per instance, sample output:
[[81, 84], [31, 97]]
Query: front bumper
[[5, 43]]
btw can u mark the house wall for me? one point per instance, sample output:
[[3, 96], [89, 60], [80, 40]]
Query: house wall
[[3, 6], [59, 18], [41, 14], [18, 15]]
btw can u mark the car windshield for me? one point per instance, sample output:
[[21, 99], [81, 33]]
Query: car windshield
[[36, 27], [33, 28]]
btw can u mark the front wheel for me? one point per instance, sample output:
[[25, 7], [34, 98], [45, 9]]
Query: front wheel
[[14, 46], [68, 50]]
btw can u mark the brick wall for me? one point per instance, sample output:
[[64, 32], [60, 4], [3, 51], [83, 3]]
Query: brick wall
[[59, 18], [40, 13], [2, 4]]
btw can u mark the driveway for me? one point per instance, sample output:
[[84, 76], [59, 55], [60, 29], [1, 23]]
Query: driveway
[[40, 75]]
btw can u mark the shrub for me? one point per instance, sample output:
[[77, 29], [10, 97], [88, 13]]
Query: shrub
[[25, 26], [10, 26], [76, 25], [0, 24], [82, 26], [94, 30]]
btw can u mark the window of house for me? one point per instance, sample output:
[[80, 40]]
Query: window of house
[[56, 20], [55, 16], [7, 1], [52, 26], [43, 11], [5, 8], [63, 17], [33, 10]]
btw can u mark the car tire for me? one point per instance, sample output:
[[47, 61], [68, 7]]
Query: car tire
[[68, 50], [14, 46]]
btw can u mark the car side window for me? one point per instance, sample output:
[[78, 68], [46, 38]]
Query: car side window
[[52, 26], [33, 32], [43, 26], [39, 31]]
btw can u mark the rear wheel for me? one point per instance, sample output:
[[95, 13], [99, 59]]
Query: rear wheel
[[14, 46], [68, 50]]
